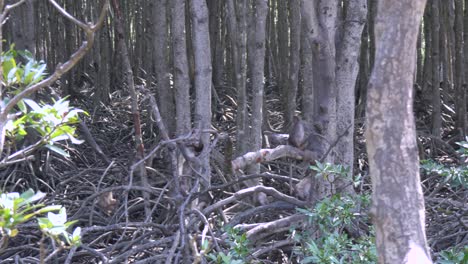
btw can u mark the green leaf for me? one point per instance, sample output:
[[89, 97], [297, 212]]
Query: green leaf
[[8, 64], [50, 208], [59, 219], [58, 150], [22, 107], [39, 74], [34, 106], [12, 76]]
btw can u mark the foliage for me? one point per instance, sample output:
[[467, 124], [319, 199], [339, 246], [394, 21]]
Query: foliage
[[454, 176], [326, 169], [453, 256], [238, 248], [53, 122], [56, 225], [464, 147], [330, 244], [17, 75], [16, 209]]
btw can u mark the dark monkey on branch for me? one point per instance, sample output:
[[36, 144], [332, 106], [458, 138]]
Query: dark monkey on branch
[[297, 136]]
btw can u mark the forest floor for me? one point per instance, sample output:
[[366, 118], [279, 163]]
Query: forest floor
[[122, 233]]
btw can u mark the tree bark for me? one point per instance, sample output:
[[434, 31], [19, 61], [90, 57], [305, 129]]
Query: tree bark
[[257, 73], [181, 72], [346, 74], [23, 27], [164, 93], [203, 75], [324, 64], [436, 103], [294, 60], [460, 84], [398, 204], [129, 79]]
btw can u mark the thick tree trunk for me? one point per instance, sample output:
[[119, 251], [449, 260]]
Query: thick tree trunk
[[398, 204]]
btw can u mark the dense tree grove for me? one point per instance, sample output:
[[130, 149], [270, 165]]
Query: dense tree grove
[[233, 131]]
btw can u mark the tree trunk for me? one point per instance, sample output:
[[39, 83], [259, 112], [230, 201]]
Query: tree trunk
[[436, 109], [427, 70], [181, 74], [164, 92], [202, 62], [102, 63], [129, 79], [324, 64], [294, 60], [398, 204], [282, 75], [460, 85], [23, 27], [346, 74], [307, 74], [257, 73]]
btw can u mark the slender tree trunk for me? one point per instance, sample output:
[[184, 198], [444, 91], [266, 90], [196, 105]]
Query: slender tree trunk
[[282, 27], [427, 70], [346, 74], [164, 92], [215, 9], [203, 75], [324, 63], [436, 109], [294, 60], [460, 84], [257, 73], [102, 67], [307, 74], [398, 213], [364, 72], [242, 141], [129, 79], [181, 74]]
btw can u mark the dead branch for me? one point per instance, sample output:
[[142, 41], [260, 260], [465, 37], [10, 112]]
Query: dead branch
[[265, 155]]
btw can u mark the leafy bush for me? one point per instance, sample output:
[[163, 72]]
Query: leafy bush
[[18, 76], [329, 220], [455, 176], [53, 123], [453, 256], [330, 244], [238, 249], [16, 209]]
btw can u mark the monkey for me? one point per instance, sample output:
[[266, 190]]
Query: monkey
[[107, 203], [297, 136]]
